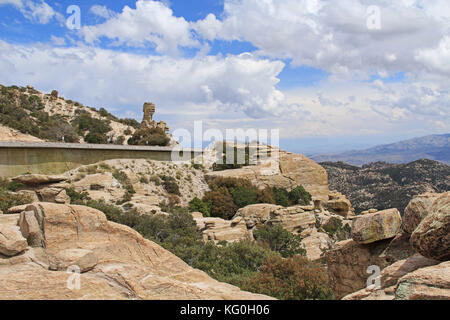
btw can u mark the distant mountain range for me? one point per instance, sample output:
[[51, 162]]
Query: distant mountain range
[[432, 147], [381, 185]]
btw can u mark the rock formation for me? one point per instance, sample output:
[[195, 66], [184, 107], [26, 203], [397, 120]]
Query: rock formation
[[376, 226], [148, 122], [431, 238], [418, 276], [287, 171], [115, 262], [303, 221]]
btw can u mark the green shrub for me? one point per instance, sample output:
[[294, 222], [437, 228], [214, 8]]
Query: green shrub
[[152, 137], [294, 278], [77, 197], [281, 197], [130, 122], [143, 180], [9, 200], [96, 128], [170, 185], [222, 204], [337, 230], [279, 240], [244, 196], [299, 196], [14, 185], [197, 205]]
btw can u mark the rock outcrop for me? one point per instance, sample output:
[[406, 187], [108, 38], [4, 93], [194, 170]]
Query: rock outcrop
[[347, 265], [11, 241], [339, 204], [114, 261], [420, 275], [216, 229], [431, 238], [430, 283], [377, 226], [417, 209], [287, 171], [38, 179]]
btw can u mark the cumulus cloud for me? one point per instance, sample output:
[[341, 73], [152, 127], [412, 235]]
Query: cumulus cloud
[[35, 11], [333, 35], [151, 23], [437, 59], [102, 11], [240, 83]]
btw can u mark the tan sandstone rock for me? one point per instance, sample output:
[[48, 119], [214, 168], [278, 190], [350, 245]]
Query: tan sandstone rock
[[11, 241], [29, 226], [257, 214], [377, 226], [37, 179], [216, 229], [128, 266], [16, 209], [391, 274], [417, 209], [340, 205], [83, 259], [430, 283], [347, 265], [289, 171], [315, 244], [431, 238]]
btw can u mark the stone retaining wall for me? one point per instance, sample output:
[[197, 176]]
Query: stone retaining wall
[[18, 158]]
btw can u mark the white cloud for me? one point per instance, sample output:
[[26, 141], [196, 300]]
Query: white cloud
[[96, 76], [13, 2], [436, 59], [152, 22], [102, 11], [36, 11], [333, 35]]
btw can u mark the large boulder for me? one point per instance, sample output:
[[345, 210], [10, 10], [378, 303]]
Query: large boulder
[[29, 226], [431, 238], [391, 274], [417, 209], [340, 205], [377, 226], [11, 241], [257, 214], [125, 265], [315, 244], [38, 179], [293, 219], [216, 229], [389, 278], [85, 260], [347, 265], [430, 283]]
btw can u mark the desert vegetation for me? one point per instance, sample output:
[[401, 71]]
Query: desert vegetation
[[8, 197], [273, 264], [23, 109], [227, 195]]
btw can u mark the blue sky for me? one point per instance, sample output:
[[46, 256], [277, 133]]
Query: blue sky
[[322, 73]]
